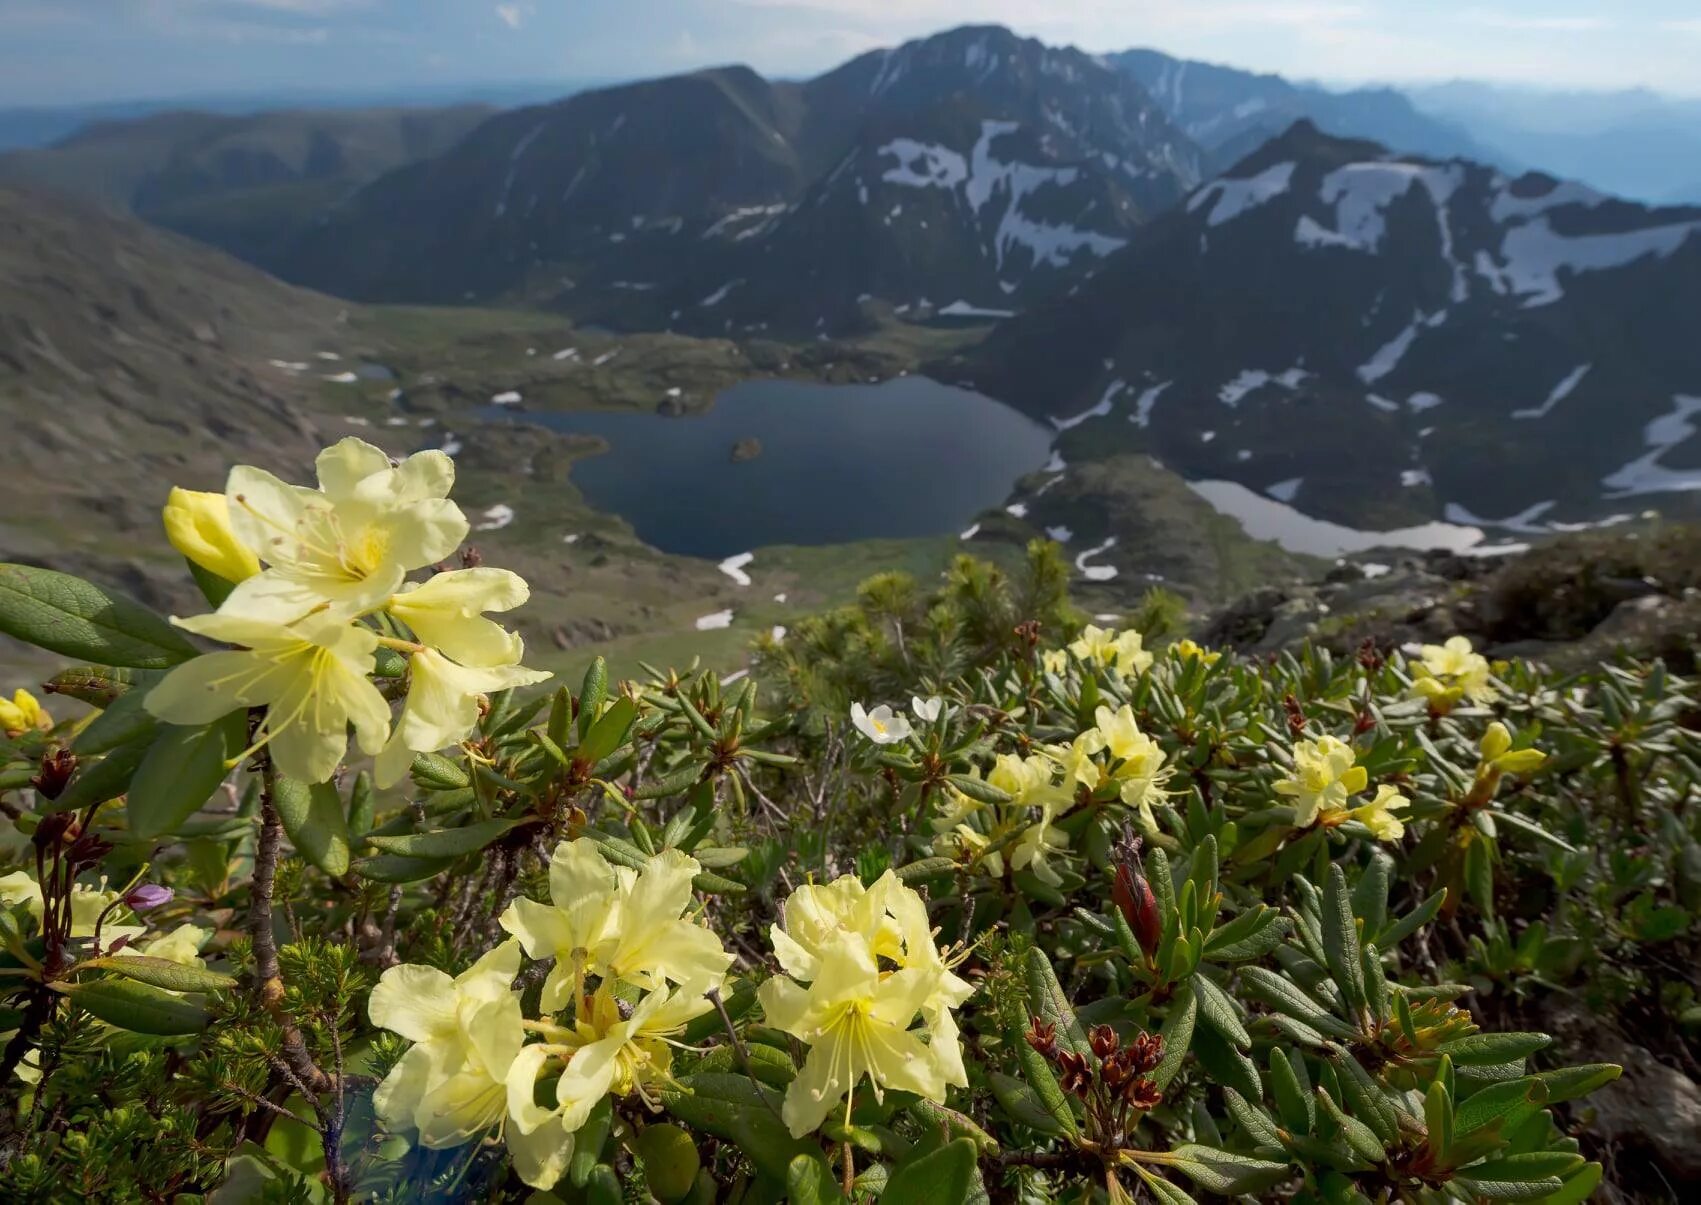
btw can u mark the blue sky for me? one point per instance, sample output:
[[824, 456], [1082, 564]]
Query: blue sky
[[54, 51]]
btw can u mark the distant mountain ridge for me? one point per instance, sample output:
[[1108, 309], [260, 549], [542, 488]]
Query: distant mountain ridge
[[245, 183], [972, 166], [1230, 112], [1383, 340]]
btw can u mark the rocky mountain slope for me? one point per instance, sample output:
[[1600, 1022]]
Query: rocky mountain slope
[[131, 358], [973, 167], [246, 183], [1381, 341], [1230, 112]]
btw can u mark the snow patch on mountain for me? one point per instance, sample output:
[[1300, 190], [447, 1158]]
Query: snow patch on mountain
[[1524, 521], [1235, 196], [719, 295], [1285, 491], [923, 164], [1389, 355], [1251, 379], [1645, 474], [1559, 393], [1267, 519], [1506, 206], [514, 158], [990, 178], [1142, 416], [1535, 253], [965, 309], [1096, 573], [1097, 410]]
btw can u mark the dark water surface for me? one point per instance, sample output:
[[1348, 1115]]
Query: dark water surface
[[907, 457]]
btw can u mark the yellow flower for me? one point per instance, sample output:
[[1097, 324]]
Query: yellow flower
[[1028, 781], [1106, 648], [312, 678], [1137, 761], [1378, 815], [1324, 778], [1037, 843], [198, 526], [890, 920], [1186, 649], [856, 1021], [442, 708], [347, 544], [602, 1052], [617, 923], [1497, 752], [1450, 672], [22, 713], [452, 1085], [447, 613], [1054, 661], [1076, 759]]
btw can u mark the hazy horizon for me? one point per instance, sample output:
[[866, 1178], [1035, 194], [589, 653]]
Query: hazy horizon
[[89, 52]]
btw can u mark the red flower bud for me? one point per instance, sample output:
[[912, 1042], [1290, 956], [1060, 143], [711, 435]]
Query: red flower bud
[[1076, 1078], [1042, 1037], [1103, 1040], [55, 773], [1142, 1094], [1146, 1051], [1133, 895]]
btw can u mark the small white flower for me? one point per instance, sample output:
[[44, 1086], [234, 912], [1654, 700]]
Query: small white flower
[[882, 725], [926, 709]]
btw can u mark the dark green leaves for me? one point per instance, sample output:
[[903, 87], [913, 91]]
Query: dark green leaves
[[942, 1177], [180, 771], [139, 1007], [446, 843], [162, 972], [314, 820], [75, 618]]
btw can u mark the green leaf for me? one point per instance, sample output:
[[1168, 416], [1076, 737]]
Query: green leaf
[[607, 734], [105, 779], [361, 801], [978, 789], [437, 772], [1219, 1011], [804, 1184], [926, 868], [181, 770], [588, 1142], [448, 842], [1340, 939], [395, 868], [1023, 1104], [1047, 1001], [121, 722], [161, 972], [313, 818], [1177, 1034], [733, 1108], [139, 1008], [1568, 1083], [1496, 1102], [670, 1160], [1224, 1172], [75, 618], [945, 1176], [1162, 1189], [1482, 1048], [592, 692]]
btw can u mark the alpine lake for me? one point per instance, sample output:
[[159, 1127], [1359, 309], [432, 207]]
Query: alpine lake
[[789, 462]]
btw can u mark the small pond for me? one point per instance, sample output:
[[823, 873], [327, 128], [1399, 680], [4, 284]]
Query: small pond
[[832, 463]]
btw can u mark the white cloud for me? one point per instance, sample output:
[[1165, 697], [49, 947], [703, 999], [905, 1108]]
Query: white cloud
[[1693, 25], [1491, 19], [513, 15]]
